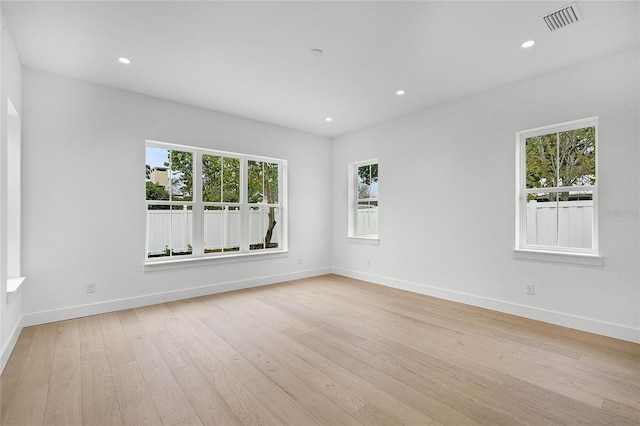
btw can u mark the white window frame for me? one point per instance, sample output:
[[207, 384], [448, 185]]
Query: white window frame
[[589, 256], [198, 205], [353, 203], [15, 276]]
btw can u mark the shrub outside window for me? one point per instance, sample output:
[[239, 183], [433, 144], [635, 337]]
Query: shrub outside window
[[558, 188], [238, 200]]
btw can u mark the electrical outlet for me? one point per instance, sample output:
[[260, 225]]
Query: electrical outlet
[[299, 261], [368, 262], [91, 287], [530, 289]]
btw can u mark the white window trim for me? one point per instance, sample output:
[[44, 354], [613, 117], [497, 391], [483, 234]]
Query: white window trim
[[198, 257], [364, 240], [352, 200], [13, 198], [553, 253], [558, 257], [194, 261]]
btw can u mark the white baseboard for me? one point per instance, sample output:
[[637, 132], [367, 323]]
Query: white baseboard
[[79, 311], [616, 331], [11, 343]]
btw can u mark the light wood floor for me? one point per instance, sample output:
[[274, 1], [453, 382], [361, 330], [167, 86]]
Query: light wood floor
[[326, 350]]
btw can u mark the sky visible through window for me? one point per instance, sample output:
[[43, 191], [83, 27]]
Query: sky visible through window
[[156, 157]]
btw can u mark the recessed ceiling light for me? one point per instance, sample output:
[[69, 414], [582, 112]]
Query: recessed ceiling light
[[124, 60], [400, 92], [528, 43], [328, 119], [316, 52]]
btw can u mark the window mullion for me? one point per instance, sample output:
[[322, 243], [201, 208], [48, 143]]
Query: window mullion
[[197, 208], [244, 205], [560, 189], [222, 179], [225, 228], [356, 188], [557, 186], [170, 186], [282, 202]]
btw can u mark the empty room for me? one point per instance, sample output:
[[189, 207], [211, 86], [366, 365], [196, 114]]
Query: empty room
[[366, 212]]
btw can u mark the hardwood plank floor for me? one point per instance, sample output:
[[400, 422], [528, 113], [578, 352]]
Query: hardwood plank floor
[[324, 350]]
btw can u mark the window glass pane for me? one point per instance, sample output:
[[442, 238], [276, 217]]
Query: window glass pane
[[169, 231], [262, 182], [264, 231], [364, 182], [541, 161], [157, 167], [222, 232], [374, 181], [255, 176], [367, 218], [181, 234], [158, 231], [271, 182], [231, 180], [575, 219], [211, 178], [368, 181], [220, 179], [181, 172], [578, 157], [542, 219]]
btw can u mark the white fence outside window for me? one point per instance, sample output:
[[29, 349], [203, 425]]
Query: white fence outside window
[[570, 226], [172, 229], [367, 223]]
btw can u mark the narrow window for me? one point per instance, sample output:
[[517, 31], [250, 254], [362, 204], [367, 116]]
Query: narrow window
[[363, 195]]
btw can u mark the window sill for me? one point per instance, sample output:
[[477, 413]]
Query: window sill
[[559, 257], [163, 265], [13, 284], [364, 240]]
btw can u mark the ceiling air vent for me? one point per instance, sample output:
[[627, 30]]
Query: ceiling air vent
[[560, 18]]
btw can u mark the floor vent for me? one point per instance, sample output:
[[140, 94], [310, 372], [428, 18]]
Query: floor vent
[[563, 17]]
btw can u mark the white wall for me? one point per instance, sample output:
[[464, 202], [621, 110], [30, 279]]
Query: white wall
[[83, 156], [10, 88], [437, 164]]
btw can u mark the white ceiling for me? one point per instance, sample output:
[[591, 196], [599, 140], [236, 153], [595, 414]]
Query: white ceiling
[[252, 59]]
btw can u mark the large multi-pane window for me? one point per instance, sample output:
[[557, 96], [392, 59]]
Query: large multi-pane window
[[205, 203], [558, 191], [363, 211]]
